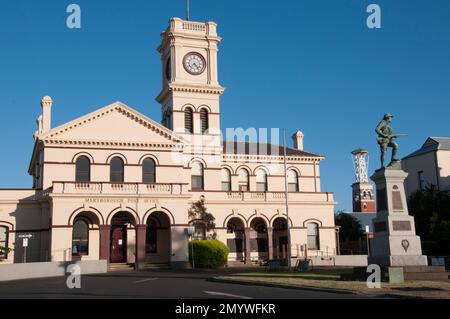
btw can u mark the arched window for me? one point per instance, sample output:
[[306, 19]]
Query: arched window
[[244, 183], [313, 236], [148, 171], [80, 238], [204, 120], [292, 178], [197, 176], [116, 170], [83, 169], [261, 180], [3, 241], [189, 120], [226, 180]]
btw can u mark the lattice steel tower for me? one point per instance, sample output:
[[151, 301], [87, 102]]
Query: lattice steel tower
[[363, 195]]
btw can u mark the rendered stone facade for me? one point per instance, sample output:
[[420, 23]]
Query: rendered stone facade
[[115, 185]]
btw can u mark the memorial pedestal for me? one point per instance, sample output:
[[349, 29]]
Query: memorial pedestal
[[395, 242]]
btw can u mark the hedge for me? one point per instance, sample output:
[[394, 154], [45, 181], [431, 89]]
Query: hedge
[[208, 253]]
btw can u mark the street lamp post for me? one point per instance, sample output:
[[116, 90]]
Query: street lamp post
[[367, 239]]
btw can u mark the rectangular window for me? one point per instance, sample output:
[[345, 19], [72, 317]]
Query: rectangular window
[[197, 182], [312, 242]]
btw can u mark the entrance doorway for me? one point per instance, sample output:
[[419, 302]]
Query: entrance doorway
[[158, 239], [118, 244], [236, 239], [122, 237]]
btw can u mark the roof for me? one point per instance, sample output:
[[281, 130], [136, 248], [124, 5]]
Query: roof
[[254, 148], [432, 144]]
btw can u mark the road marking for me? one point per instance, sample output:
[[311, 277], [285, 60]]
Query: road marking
[[144, 280], [214, 293]]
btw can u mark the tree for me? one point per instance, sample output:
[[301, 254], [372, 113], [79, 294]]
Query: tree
[[351, 229], [431, 210], [201, 219]]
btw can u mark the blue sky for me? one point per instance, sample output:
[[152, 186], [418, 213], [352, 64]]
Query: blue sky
[[311, 65]]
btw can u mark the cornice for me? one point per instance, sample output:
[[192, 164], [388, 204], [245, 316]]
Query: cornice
[[100, 143], [216, 90], [269, 158]]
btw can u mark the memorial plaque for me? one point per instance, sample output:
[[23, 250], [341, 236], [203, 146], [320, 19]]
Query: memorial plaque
[[401, 225], [381, 199], [397, 201], [380, 227]]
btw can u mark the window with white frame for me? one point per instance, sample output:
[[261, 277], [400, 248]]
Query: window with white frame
[[313, 236], [292, 178], [261, 180], [226, 180], [197, 176], [244, 182]]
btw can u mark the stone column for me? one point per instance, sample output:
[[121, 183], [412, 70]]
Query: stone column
[[105, 245], [141, 231], [270, 243], [247, 245]]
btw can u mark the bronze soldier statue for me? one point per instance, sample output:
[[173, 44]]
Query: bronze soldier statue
[[386, 139]]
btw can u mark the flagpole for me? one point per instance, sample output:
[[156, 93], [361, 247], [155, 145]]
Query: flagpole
[[287, 203], [187, 10]]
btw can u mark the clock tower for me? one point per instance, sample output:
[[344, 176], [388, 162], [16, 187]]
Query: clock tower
[[190, 95]]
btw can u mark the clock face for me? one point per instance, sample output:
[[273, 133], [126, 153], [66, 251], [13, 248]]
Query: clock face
[[194, 63]]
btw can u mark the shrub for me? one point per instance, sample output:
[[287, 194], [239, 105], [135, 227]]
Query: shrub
[[208, 253], [4, 251]]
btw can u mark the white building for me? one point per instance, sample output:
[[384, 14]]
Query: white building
[[429, 165]]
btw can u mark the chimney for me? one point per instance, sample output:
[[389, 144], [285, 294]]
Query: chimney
[[298, 140], [46, 120]]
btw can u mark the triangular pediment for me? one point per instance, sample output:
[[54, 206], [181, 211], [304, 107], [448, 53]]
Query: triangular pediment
[[113, 123]]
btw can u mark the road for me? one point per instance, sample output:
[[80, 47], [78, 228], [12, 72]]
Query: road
[[159, 284]]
